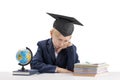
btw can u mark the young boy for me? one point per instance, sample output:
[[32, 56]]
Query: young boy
[[57, 54]]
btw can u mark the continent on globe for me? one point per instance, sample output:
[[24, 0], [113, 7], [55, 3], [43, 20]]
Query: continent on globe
[[24, 56]]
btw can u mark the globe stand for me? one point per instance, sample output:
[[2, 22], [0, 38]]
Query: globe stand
[[23, 69]]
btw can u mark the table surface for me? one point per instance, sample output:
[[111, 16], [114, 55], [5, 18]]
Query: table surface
[[59, 76]]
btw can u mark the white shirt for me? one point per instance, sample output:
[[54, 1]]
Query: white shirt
[[56, 54]]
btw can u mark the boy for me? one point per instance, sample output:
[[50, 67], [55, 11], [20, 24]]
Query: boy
[[57, 54]]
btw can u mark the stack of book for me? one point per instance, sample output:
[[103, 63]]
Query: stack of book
[[90, 69]]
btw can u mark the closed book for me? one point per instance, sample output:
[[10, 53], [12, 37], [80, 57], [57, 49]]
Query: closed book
[[90, 70], [90, 75], [25, 72], [79, 65]]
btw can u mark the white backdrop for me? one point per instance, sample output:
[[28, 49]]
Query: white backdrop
[[25, 22]]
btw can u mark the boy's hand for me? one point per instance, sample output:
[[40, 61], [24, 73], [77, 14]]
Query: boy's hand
[[68, 44], [62, 70]]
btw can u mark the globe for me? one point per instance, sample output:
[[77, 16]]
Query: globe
[[24, 57]]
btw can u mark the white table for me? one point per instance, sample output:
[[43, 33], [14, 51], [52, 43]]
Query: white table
[[59, 76]]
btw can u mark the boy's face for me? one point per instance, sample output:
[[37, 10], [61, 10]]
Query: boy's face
[[59, 40]]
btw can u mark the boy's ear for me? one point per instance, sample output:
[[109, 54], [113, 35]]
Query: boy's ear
[[51, 32]]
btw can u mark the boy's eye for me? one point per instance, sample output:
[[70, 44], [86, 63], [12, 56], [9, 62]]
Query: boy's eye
[[60, 39], [66, 41]]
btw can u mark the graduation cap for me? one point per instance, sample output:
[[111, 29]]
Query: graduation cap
[[64, 24]]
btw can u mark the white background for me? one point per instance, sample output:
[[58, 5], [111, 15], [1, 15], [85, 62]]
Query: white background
[[25, 22]]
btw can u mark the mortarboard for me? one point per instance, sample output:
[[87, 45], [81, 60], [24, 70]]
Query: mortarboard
[[64, 24]]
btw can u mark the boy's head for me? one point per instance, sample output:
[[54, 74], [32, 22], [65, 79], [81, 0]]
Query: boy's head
[[58, 39], [62, 29]]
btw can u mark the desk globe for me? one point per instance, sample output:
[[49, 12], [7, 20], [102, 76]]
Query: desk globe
[[24, 57]]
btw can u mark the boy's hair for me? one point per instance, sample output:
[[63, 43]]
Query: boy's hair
[[55, 32]]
